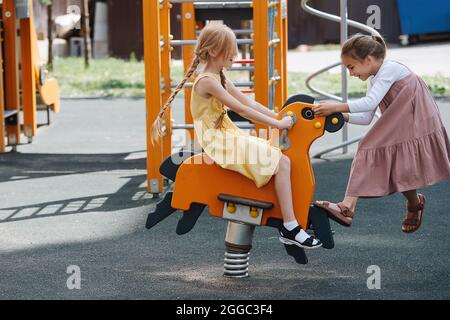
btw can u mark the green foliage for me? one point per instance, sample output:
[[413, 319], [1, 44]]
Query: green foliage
[[113, 77], [438, 84], [105, 77], [133, 57]]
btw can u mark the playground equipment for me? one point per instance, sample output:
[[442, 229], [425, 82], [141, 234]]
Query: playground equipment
[[198, 182], [268, 39], [32, 76]]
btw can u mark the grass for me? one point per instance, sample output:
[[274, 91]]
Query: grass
[[328, 82], [125, 78], [104, 78]]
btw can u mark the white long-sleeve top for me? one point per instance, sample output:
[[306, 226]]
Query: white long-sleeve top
[[363, 110]]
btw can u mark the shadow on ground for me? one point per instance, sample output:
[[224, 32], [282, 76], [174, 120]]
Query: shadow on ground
[[158, 264], [22, 167]]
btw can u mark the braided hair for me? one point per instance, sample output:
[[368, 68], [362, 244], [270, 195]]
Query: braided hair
[[157, 124], [214, 37]]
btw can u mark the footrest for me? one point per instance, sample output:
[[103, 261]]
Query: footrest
[[245, 201], [296, 252], [319, 221]]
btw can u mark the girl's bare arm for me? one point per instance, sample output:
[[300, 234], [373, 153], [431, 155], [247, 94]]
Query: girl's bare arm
[[213, 88], [235, 92]]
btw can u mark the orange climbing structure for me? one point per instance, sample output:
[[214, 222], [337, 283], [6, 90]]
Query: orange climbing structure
[[18, 99]]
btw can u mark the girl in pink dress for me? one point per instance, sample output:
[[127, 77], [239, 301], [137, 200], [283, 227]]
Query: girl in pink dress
[[406, 149]]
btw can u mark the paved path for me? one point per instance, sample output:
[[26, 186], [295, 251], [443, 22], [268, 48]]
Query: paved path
[[423, 59], [77, 196]]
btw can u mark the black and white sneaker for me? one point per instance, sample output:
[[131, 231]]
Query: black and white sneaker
[[288, 237]]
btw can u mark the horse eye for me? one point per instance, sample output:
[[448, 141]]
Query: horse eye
[[307, 113]]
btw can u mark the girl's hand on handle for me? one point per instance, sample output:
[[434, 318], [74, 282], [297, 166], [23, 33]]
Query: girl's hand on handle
[[346, 117], [286, 123], [324, 109]]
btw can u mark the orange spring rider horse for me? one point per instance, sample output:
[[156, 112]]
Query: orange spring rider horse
[[234, 197]]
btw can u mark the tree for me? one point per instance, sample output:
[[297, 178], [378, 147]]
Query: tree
[[49, 5], [86, 33]]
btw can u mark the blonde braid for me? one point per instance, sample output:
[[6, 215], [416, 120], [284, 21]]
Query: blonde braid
[[157, 124], [219, 122], [223, 80]]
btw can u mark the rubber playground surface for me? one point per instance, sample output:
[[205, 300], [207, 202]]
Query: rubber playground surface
[[77, 197]]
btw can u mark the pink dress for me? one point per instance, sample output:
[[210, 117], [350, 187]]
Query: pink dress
[[406, 149]]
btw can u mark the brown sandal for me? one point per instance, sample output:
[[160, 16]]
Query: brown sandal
[[414, 216], [343, 217]]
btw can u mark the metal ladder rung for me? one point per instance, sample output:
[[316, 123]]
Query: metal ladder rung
[[9, 113], [237, 32], [222, 5], [237, 84], [208, 4]]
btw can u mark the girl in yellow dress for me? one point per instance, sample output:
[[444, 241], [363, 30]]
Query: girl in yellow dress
[[230, 147]]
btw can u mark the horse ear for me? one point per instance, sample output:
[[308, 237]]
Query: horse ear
[[299, 98], [334, 122]]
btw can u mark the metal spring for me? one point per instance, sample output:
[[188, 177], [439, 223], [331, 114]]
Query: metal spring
[[236, 264]]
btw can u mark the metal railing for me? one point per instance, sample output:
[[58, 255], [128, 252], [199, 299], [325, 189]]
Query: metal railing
[[344, 23], [208, 4]]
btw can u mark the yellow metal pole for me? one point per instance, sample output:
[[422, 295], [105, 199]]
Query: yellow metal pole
[[188, 33], [11, 85], [28, 76], [260, 52], [165, 70], [152, 60]]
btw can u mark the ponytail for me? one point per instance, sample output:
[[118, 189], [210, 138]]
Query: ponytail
[[360, 46], [213, 38], [380, 40]]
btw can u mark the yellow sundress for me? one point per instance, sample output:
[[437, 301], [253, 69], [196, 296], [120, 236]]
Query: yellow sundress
[[230, 147]]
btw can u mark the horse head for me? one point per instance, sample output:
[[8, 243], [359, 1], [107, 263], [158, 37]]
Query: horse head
[[307, 127]]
